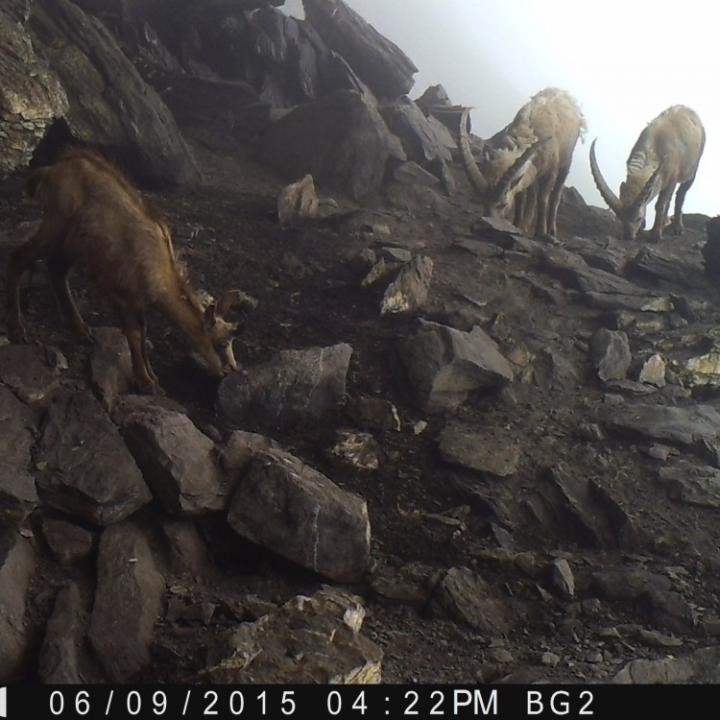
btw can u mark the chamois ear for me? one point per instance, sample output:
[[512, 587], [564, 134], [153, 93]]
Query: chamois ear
[[235, 298]]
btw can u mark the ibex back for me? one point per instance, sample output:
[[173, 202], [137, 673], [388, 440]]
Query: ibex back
[[92, 215], [665, 156]]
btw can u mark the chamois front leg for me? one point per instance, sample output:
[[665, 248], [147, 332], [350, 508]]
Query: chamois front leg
[[543, 202], [38, 246], [555, 197], [143, 340], [676, 228], [59, 268], [661, 213], [134, 333]]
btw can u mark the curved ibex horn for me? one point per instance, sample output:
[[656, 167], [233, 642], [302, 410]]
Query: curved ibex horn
[[648, 191], [471, 167], [612, 200], [517, 169]]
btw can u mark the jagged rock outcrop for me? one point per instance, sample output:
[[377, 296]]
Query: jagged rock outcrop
[[110, 105], [31, 96], [341, 140], [378, 62]]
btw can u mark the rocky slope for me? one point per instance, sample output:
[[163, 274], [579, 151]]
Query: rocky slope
[[453, 453]]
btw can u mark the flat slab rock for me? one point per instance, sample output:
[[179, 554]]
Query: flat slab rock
[[478, 449], [683, 425], [85, 468], [700, 666], [128, 602], [444, 365], [295, 386], [111, 370], [297, 512], [308, 640], [692, 484]]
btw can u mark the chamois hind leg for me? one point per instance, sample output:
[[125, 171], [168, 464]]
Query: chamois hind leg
[[543, 202], [134, 334], [676, 228], [143, 339], [59, 268], [661, 213], [519, 209], [527, 221], [38, 246]]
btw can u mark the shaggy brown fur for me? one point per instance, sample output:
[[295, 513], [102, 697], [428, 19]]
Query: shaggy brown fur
[[92, 215]]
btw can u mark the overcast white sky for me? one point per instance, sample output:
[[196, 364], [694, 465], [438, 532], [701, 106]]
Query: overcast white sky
[[624, 61]]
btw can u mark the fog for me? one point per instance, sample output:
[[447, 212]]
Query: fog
[[624, 62]]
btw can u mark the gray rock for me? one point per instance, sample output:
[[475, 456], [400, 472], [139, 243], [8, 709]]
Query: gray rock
[[63, 658], [628, 583], [562, 578], [298, 202], [378, 62], [422, 141], [69, 543], [85, 467], [469, 599], [312, 639], [444, 365], [111, 371], [682, 425], [412, 583], [692, 484], [25, 370], [478, 449], [640, 303], [295, 511], [127, 602], [242, 447], [611, 354], [17, 565], [356, 450], [295, 386], [711, 249], [341, 140], [178, 462], [188, 552], [699, 666], [412, 175], [678, 268], [653, 371], [31, 97], [409, 291], [373, 413]]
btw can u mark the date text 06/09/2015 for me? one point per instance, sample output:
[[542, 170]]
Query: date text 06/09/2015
[[322, 701]]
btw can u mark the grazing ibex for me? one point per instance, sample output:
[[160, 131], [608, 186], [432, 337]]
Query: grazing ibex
[[666, 155], [523, 168], [92, 215]]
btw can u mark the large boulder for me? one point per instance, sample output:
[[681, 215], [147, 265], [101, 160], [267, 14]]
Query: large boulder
[[444, 365], [294, 386], [378, 62], [297, 512], [341, 140], [128, 601], [84, 467], [110, 105], [31, 97]]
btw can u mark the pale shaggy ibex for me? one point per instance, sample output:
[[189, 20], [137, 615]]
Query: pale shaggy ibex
[[92, 215], [666, 154], [523, 168]]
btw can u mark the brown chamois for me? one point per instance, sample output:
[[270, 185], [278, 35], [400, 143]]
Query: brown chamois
[[665, 156], [522, 169], [93, 216]]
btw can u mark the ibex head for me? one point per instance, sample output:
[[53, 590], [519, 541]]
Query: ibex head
[[641, 185], [502, 171]]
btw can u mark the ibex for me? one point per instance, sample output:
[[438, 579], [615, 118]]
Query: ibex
[[92, 215], [666, 155], [523, 168]]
